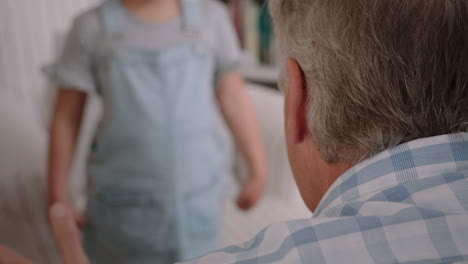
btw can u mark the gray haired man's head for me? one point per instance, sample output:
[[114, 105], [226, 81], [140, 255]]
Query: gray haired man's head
[[378, 72]]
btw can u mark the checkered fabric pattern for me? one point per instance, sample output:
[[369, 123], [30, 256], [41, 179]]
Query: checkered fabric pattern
[[408, 204]]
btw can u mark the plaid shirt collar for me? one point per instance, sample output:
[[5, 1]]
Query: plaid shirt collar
[[408, 162]]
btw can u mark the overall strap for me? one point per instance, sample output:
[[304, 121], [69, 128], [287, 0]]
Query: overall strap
[[192, 16], [113, 17]]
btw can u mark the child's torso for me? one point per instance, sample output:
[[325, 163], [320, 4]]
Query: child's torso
[[158, 103]]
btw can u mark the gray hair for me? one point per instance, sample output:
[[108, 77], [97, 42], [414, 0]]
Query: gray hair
[[378, 72]]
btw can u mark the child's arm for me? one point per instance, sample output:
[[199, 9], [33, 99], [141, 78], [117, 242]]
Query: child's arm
[[239, 114], [64, 131]]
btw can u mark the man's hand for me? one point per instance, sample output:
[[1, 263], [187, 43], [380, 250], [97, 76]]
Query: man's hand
[[251, 192], [66, 235], [8, 256]]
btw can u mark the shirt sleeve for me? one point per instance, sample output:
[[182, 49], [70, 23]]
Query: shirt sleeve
[[228, 52], [73, 67]]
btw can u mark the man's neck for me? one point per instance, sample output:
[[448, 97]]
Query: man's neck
[[153, 10]]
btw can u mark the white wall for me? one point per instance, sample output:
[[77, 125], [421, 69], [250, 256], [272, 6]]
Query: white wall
[[27, 30]]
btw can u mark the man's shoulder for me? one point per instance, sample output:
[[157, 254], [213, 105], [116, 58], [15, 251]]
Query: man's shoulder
[[411, 235]]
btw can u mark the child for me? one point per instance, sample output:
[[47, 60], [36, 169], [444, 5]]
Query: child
[[155, 169]]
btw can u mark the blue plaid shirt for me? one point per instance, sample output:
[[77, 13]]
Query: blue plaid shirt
[[408, 204]]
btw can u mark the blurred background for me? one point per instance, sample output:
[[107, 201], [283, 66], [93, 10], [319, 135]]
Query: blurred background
[[31, 32]]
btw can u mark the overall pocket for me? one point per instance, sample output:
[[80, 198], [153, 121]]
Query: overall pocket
[[133, 222], [203, 208]]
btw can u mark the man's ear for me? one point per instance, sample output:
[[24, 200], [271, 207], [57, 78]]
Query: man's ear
[[296, 102]]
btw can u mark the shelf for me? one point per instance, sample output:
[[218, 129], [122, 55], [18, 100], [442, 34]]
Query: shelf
[[261, 74]]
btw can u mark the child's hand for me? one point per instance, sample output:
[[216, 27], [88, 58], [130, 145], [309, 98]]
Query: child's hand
[[66, 235], [79, 218], [251, 192]]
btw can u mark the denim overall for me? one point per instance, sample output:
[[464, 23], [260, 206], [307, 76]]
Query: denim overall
[[156, 171]]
